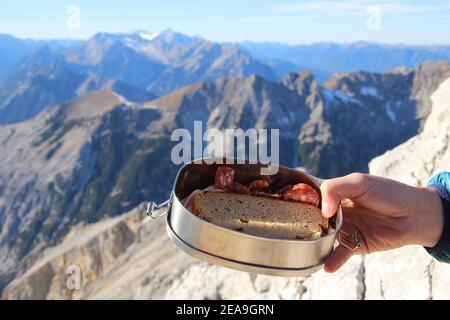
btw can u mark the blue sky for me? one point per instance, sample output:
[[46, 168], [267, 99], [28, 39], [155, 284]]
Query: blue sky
[[290, 21]]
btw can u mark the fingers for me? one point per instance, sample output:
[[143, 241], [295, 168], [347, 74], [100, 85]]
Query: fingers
[[334, 190], [339, 257]]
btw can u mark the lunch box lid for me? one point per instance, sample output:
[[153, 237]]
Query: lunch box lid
[[237, 265]]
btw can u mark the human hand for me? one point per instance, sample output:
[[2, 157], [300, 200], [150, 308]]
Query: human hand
[[386, 213]]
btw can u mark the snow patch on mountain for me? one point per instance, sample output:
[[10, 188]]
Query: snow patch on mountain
[[150, 36], [370, 91], [338, 96], [390, 113]]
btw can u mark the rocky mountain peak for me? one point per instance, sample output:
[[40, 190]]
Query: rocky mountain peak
[[170, 36], [421, 157], [440, 111], [92, 105], [45, 79], [41, 58], [303, 82]]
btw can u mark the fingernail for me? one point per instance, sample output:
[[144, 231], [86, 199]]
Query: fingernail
[[328, 269]]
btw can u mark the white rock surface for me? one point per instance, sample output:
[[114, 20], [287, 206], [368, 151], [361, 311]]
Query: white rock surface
[[440, 281], [203, 281], [414, 162], [347, 283], [398, 274]]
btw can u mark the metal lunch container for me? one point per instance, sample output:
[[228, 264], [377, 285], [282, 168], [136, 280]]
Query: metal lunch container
[[237, 250]]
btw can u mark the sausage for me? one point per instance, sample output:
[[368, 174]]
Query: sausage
[[259, 185], [302, 193], [266, 194], [224, 178], [240, 188]]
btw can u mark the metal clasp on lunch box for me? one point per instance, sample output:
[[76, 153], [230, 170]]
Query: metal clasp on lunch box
[[158, 210], [350, 241]]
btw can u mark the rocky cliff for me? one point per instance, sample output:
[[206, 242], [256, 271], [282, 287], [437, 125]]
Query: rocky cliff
[[425, 155], [362, 115]]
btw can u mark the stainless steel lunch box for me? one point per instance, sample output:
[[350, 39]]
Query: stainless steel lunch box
[[233, 249]]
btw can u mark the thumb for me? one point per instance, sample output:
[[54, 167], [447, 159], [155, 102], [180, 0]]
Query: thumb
[[338, 258], [335, 190]]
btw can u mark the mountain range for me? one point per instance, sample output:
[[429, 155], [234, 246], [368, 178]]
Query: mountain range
[[13, 50], [85, 126], [360, 56], [44, 79], [101, 155], [141, 64], [130, 257]]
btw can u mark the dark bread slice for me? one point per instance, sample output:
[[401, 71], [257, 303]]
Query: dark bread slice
[[260, 216]]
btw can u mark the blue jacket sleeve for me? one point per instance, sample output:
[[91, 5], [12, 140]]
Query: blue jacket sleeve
[[441, 183]]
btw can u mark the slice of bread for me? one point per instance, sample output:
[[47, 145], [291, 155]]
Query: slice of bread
[[260, 216]]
